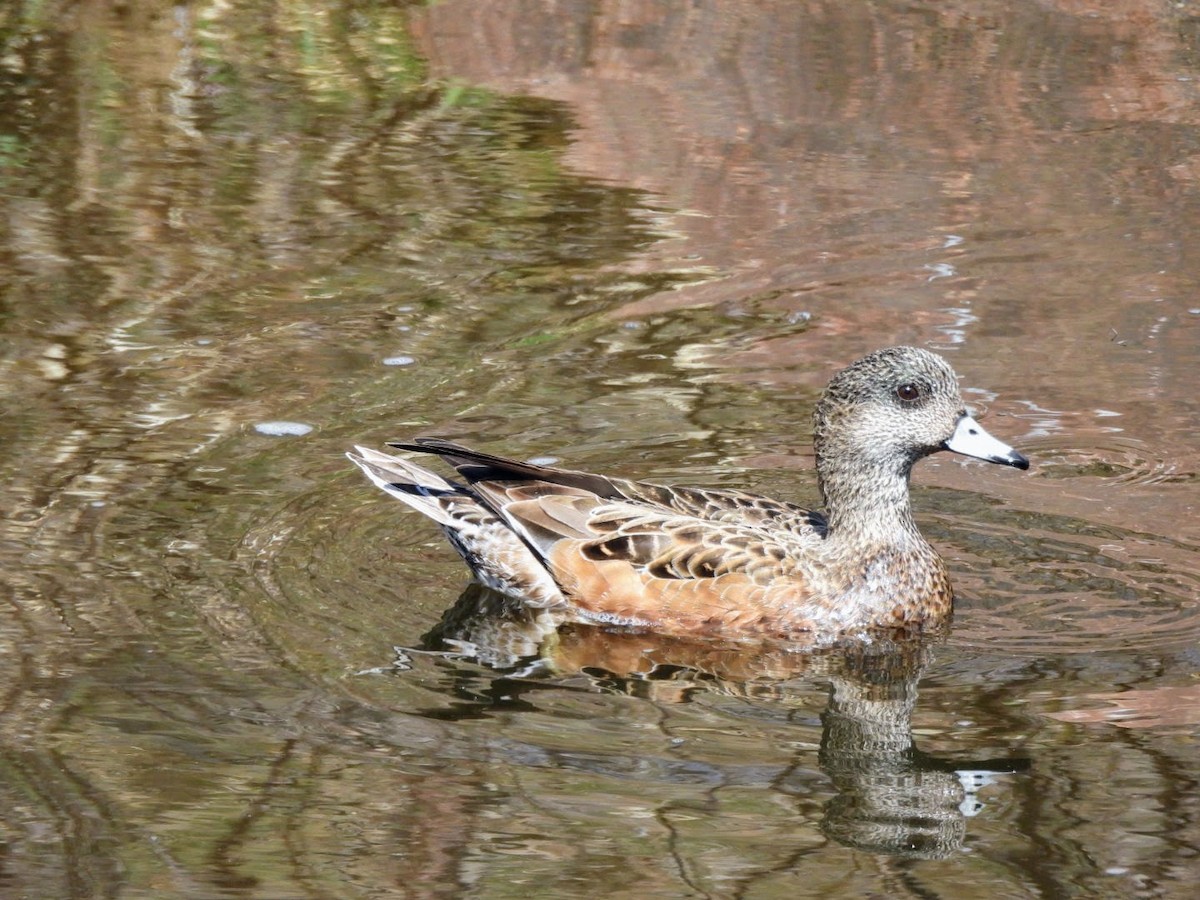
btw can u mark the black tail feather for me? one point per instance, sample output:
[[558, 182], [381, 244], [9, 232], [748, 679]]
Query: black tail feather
[[475, 466]]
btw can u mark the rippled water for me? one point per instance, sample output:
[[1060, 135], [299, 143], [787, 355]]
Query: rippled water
[[635, 239]]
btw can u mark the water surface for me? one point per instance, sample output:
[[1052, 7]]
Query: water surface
[[637, 239]]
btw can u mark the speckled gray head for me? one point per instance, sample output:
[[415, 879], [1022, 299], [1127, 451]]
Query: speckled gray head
[[895, 406]]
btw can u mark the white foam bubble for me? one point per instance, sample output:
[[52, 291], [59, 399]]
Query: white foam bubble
[[282, 429]]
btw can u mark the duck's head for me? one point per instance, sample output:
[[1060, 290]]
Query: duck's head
[[887, 410]]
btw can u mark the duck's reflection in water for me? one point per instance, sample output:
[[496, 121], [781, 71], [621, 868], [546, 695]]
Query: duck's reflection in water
[[891, 797]]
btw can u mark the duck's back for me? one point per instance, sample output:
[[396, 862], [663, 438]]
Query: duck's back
[[688, 560]]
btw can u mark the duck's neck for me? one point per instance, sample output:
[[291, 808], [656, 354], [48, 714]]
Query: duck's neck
[[867, 509]]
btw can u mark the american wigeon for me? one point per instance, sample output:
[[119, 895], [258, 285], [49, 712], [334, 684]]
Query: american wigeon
[[702, 561]]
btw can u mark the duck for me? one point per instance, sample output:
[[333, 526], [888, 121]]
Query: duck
[[709, 562]]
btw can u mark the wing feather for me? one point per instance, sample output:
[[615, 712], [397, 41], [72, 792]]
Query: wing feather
[[635, 553]]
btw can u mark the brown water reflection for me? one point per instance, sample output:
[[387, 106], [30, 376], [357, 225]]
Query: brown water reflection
[[638, 237], [891, 798]]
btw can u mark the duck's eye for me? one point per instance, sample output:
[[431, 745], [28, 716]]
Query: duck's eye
[[909, 393]]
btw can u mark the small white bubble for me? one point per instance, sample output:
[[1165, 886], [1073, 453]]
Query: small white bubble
[[283, 429], [399, 361], [543, 461]]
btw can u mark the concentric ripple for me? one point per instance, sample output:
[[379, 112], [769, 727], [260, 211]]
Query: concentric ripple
[[1041, 583], [345, 574], [1115, 461]]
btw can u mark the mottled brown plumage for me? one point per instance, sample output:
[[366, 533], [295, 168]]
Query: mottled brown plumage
[[713, 562]]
